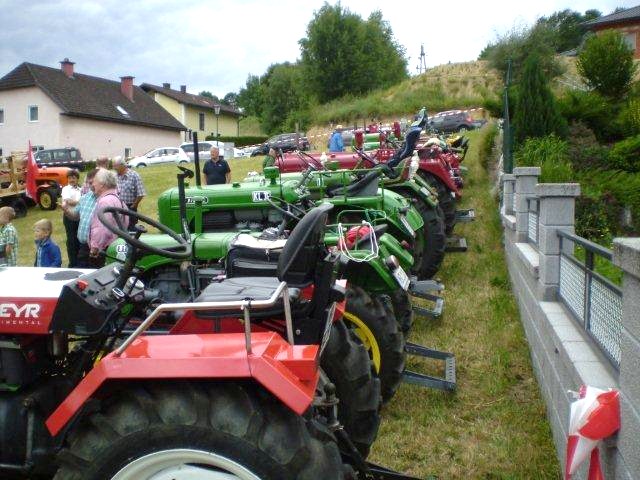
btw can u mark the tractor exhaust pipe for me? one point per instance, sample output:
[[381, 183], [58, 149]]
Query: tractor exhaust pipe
[[196, 158]]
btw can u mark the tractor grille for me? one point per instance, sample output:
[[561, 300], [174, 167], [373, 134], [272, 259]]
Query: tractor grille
[[218, 220]]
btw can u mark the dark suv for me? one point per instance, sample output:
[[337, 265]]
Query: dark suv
[[451, 121], [60, 157], [287, 142]]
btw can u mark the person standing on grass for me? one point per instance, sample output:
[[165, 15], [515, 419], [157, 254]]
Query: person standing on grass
[[216, 171], [104, 187], [47, 252], [83, 213], [130, 187], [335, 142], [70, 197], [270, 159], [8, 238]]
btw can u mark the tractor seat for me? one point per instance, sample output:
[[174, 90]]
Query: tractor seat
[[367, 186], [238, 289]]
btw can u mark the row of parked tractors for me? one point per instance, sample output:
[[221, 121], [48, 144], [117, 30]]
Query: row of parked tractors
[[254, 334]]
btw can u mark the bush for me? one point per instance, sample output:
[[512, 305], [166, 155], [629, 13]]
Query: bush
[[494, 107], [625, 155], [486, 144], [551, 154], [606, 64], [629, 118], [595, 111], [593, 219], [584, 150]]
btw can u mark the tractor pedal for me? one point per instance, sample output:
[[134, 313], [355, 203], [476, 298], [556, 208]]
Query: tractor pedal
[[448, 383], [465, 216], [456, 244]]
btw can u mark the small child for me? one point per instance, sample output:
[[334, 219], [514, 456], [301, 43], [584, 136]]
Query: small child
[[47, 252], [8, 238]]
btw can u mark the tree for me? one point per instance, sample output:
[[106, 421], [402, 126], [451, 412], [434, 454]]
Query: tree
[[342, 54], [230, 99], [284, 90], [536, 113], [606, 64], [567, 27], [251, 97], [208, 94]]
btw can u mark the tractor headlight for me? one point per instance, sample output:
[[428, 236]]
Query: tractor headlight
[[415, 164]]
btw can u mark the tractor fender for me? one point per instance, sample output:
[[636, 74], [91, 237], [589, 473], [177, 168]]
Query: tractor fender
[[393, 202], [437, 170], [288, 371]]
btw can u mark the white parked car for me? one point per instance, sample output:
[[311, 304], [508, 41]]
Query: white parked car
[[159, 155], [204, 149]]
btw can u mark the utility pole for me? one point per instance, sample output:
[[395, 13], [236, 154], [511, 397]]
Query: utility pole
[[422, 64]]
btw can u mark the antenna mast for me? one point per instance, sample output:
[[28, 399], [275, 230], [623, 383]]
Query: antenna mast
[[422, 65]]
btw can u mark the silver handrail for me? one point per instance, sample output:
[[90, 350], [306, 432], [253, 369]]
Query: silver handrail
[[245, 305]]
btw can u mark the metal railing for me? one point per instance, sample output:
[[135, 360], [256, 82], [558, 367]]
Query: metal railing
[[595, 301], [533, 209]]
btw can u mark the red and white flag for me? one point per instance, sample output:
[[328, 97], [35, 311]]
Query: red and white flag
[[594, 416], [32, 173]]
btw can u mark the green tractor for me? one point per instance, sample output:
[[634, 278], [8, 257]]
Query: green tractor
[[378, 305]]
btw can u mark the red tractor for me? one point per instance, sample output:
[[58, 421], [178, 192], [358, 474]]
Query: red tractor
[[102, 380]]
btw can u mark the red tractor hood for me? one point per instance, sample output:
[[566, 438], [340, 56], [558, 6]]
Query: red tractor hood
[[28, 297]]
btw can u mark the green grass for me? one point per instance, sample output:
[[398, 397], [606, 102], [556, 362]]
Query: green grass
[[495, 425]]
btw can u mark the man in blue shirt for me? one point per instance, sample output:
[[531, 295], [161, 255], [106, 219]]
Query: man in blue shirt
[[216, 170], [83, 212], [335, 142]]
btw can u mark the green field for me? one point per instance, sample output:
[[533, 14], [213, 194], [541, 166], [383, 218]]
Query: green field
[[494, 426]]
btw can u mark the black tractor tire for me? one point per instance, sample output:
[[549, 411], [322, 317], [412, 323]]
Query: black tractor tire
[[346, 363], [235, 420], [374, 322], [403, 310], [435, 238], [48, 198], [446, 201]]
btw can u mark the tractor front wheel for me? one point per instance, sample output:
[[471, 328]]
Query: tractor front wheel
[[209, 431], [48, 199]]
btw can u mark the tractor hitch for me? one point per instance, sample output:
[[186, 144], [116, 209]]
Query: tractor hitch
[[424, 289], [447, 383], [465, 216]]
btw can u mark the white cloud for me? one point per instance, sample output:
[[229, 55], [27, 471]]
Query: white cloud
[[214, 45]]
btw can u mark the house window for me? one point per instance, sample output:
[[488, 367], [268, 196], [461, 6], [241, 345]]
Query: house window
[[127, 152], [33, 113], [1, 116], [201, 119], [122, 111], [630, 40]]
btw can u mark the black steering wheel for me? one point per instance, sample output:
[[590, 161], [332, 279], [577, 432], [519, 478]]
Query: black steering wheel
[[181, 252]]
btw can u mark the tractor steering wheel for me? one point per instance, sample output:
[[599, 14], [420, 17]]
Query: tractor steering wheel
[[386, 169], [180, 252]]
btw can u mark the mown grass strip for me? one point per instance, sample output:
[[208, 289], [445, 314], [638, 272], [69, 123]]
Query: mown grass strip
[[495, 425]]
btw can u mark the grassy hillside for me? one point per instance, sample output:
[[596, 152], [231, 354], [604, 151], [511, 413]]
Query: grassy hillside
[[459, 85]]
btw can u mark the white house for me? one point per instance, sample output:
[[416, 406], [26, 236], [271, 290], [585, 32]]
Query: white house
[[60, 108]]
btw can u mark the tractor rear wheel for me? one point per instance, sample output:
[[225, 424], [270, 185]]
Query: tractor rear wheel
[[373, 321], [347, 365], [445, 199], [48, 199], [184, 430]]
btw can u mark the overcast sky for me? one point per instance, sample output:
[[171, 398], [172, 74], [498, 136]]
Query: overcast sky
[[214, 45]]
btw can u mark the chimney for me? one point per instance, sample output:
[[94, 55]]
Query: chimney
[[67, 67], [183, 88], [166, 85], [126, 87]]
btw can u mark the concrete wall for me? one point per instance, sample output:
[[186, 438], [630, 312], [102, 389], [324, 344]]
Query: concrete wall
[[564, 356], [16, 131], [95, 138]]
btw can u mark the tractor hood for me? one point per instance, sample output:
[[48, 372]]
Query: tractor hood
[[234, 196]]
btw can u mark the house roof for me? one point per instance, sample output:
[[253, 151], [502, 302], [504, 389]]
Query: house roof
[[623, 16], [190, 99], [91, 97]]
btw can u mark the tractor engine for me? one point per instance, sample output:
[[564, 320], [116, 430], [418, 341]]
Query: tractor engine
[[241, 219]]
